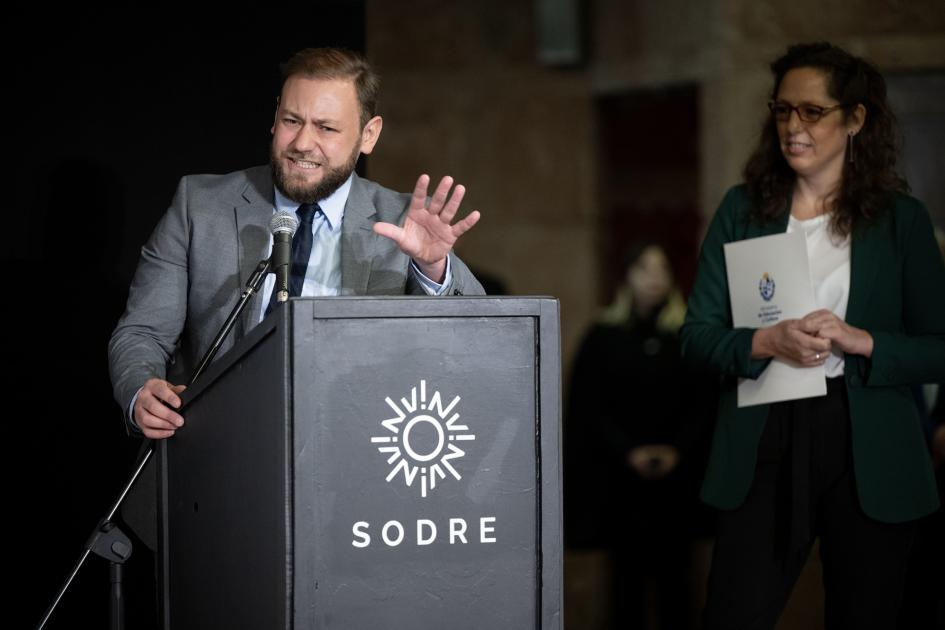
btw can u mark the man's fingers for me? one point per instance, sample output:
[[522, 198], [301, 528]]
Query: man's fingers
[[389, 230], [157, 407], [161, 413], [452, 205], [164, 391], [150, 421], [153, 411], [419, 198], [154, 405], [464, 226], [440, 195], [153, 426]]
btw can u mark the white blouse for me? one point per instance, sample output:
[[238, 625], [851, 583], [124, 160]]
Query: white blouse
[[829, 259]]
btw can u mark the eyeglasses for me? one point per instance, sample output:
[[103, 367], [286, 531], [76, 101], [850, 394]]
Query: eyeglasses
[[807, 113]]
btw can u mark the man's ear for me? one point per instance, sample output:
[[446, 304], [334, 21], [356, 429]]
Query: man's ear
[[370, 134]]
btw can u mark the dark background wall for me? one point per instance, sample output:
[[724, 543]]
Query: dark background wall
[[107, 118]]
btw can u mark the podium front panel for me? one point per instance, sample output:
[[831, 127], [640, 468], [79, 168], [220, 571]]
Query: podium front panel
[[416, 467], [371, 463]]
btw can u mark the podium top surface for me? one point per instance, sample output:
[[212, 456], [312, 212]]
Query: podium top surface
[[427, 306]]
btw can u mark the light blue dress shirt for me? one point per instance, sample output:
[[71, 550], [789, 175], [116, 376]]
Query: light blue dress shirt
[[323, 275]]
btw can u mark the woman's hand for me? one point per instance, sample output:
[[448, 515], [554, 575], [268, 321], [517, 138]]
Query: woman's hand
[[849, 339], [808, 341], [789, 340]]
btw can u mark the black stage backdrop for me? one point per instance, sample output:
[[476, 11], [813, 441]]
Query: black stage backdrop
[[105, 114]]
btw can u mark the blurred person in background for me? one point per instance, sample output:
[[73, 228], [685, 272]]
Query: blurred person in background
[[633, 424]]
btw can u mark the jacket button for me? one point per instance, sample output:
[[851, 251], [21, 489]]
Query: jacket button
[[854, 380]]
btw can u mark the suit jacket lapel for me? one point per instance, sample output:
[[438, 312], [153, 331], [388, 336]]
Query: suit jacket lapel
[[252, 213], [358, 240]]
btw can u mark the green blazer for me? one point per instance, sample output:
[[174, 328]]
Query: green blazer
[[897, 293]]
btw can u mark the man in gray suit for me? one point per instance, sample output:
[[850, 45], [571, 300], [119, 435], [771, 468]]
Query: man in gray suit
[[366, 239]]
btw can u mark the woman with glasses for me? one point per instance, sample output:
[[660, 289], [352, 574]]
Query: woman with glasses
[[850, 467]]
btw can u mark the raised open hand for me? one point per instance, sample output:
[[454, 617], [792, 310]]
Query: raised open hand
[[427, 235]]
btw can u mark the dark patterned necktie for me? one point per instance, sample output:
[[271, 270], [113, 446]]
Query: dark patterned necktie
[[301, 247]]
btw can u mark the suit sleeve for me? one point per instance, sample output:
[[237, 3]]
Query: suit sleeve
[[916, 352], [148, 331], [708, 340], [462, 281]]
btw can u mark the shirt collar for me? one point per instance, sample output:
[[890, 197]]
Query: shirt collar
[[333, 206]]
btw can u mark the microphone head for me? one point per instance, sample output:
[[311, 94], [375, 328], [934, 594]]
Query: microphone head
[[284, 222]]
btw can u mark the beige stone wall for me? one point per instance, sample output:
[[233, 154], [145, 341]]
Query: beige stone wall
[[725, 47], [464, 95]]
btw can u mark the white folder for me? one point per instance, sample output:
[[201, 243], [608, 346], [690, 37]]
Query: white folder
[[768, 281]]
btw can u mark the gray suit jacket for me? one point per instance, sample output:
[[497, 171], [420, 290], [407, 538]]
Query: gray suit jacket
[[201, 254]]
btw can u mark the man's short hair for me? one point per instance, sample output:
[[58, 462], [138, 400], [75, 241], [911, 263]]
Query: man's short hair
[[337, 63]]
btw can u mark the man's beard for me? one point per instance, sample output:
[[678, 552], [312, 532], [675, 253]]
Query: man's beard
[[297, 190]]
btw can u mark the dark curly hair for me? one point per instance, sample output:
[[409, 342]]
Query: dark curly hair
[[867, 182]]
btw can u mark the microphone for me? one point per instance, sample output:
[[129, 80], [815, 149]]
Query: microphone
[[282, 225]]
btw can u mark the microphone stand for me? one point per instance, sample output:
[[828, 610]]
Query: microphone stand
[[107, 539], [252, 286]]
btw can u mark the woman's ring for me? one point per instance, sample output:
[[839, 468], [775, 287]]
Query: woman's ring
[[817, 356]]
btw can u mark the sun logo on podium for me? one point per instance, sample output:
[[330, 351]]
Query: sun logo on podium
[[422, 439]]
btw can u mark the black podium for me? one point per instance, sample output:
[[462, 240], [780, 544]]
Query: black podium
[[371, 463]]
